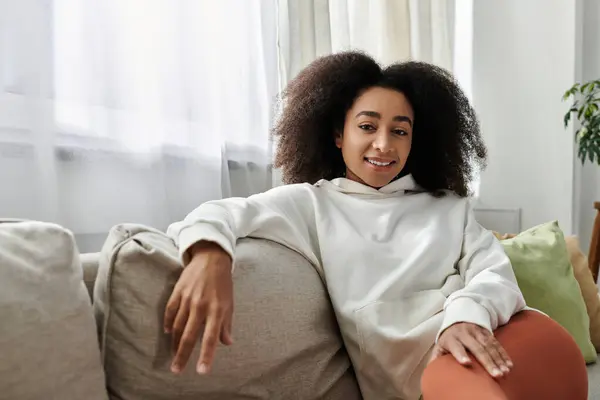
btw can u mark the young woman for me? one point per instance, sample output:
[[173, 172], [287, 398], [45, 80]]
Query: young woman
[[377, 164]]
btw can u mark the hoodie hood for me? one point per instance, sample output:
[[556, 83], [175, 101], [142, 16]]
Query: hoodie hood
[[344, 185]]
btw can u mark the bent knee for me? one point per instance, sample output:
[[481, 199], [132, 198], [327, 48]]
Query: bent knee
[[531, 334], [547, 361], [446, 379]]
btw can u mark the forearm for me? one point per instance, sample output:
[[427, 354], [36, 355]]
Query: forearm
[[209, 223], [205, 246], [282, 215], [491, 294], [488, 300]]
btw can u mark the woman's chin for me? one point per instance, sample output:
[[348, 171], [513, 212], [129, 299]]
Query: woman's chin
[[373, 177], [378, 181]]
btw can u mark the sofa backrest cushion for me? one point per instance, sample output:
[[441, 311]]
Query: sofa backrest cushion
[[287, 344], [48, 343]]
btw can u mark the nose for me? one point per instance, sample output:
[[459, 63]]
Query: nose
[[382, 142]]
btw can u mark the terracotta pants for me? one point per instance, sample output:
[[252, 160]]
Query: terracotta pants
[[548, 365]]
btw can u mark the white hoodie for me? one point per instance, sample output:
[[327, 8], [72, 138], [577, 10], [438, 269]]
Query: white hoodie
[[400, 266]]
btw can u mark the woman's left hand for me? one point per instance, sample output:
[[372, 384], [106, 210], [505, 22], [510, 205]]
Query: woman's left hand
[[462, 337]]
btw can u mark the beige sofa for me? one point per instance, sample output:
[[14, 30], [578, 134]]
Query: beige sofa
[[61, 341]]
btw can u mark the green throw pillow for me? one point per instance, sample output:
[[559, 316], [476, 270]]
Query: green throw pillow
[[545, 275]]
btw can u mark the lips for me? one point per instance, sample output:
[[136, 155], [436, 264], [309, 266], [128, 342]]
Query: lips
[[379, 162]]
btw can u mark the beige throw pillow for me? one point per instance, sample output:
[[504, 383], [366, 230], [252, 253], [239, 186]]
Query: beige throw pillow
[[589, 290], [48, 343]]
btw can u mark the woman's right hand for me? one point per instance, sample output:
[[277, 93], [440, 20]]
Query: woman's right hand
[[202, 297]]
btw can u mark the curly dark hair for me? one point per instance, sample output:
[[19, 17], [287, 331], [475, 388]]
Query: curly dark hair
[[447, 148]]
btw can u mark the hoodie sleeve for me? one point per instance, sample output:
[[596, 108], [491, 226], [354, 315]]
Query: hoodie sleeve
[[283, 214], [491, 295]]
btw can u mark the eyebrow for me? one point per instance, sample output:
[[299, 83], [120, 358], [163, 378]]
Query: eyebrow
[[375, 114]]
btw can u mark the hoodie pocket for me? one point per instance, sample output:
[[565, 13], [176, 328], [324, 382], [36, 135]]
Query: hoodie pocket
[[394, 338]]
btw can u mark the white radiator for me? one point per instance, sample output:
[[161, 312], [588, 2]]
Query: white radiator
[[503, 220]]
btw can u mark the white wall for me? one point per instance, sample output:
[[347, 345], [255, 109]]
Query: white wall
[[588, 176], [523, 61]]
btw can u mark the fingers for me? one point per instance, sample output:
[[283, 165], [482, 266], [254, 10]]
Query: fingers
[[187, 342], [459, 352], [209, 343], [226, 337], [202, 297], [505, 356], [171, 310], [494, 349], [186, 330], [487, 339], [179, 324], [437, 352], [484, 355], [463, 338]]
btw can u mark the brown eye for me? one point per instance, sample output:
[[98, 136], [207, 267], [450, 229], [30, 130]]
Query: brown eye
[[400, 132], [366, 127]]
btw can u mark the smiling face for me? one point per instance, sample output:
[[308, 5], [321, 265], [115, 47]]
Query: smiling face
[[377, 136]]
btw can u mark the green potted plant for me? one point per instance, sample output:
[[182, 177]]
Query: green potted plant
[[586, 102]]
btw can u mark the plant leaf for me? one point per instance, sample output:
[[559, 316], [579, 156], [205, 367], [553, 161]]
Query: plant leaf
[[571, 91], [586, 105], [567, 118], [593, 125], [581, 154], [585, 86], [596, 150], [589, 111]]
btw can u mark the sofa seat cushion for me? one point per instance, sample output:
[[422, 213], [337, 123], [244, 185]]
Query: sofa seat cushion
[[287, 344], [48, 343]]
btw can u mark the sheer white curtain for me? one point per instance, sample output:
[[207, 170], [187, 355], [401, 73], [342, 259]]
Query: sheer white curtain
[[389, 30], [118, 111]]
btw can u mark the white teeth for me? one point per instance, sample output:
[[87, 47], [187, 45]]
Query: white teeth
[[380, 164]]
